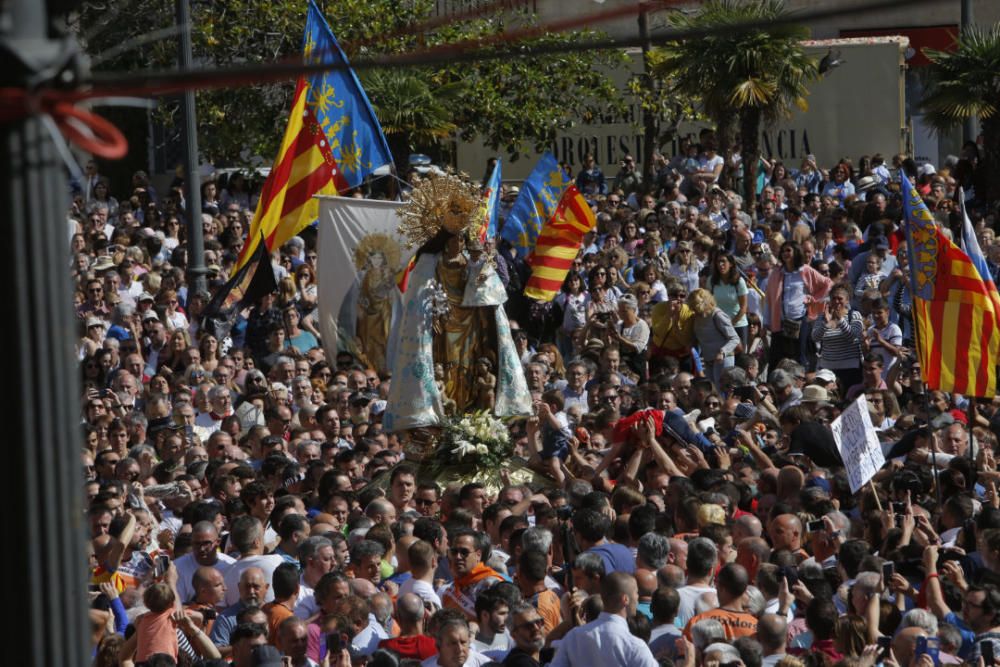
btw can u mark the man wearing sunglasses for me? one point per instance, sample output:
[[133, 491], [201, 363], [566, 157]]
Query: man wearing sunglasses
[[527, 630], [472, 576]]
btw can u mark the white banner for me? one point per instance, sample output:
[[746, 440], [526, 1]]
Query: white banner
[[360, 255], [858, 443]]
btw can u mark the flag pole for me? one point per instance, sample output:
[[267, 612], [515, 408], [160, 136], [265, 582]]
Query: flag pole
[[918, 349], [971, 409]]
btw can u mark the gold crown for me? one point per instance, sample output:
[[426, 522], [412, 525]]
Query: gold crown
[[446, 201]]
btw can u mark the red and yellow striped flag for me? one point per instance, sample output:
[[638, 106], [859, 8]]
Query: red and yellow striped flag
[[333, 141], [558, 244], [304, 167], [955, 313]]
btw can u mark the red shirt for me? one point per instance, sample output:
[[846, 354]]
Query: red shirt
[[418, 647]]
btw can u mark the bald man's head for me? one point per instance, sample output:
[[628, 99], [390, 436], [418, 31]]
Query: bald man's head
[[786, 532], [670, 575], [363, 588], [646, 582], [409, 610], [751, 552], [772, 633], [904, 644]]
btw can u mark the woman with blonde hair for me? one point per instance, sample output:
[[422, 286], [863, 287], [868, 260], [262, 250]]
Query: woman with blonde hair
[[714, 333], [555, 358]]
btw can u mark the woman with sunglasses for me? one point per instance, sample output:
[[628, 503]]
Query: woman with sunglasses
[[839, 186], [602, 297], [685, 267]]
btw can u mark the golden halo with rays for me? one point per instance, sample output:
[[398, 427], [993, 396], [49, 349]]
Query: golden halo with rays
[[381, 242], [445, 201]]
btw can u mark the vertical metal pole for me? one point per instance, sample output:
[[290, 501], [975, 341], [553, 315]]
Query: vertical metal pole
[[649, 120], [970, 128], [43, 488], [195, 242]]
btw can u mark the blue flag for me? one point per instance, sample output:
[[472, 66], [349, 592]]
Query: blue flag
[[492, 195], [971, 247], [539, 198], [341, 107]]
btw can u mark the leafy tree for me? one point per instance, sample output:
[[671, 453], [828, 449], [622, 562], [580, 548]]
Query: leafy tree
[[964, 83], [511, 103], [749, 77]]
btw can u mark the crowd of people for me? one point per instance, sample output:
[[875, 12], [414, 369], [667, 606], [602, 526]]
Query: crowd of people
[[245, 506]]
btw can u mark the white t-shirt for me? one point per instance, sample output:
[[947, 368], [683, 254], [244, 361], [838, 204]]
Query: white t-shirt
[[894, 335], [474, 660], [708, 166], [689, 599], [421, 589], [186, 566]]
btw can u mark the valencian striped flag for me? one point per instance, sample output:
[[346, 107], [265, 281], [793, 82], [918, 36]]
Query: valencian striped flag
[[558, 245], [956, 315], [540, 195], [332, 142]]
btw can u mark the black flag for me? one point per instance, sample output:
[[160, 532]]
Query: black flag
[[254, 279]]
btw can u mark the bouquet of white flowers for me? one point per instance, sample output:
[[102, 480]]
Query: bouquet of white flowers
[[476, 441]]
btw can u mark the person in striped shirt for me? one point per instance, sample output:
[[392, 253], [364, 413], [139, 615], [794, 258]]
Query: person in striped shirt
[[840, 337]]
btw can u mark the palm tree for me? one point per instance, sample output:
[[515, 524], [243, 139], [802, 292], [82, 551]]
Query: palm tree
[[747, 66], [413, 110], [965, 83]]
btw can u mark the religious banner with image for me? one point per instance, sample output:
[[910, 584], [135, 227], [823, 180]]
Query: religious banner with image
[[360, 256]]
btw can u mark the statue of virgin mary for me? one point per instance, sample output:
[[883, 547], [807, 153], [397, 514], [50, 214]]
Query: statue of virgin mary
[[452, 313]]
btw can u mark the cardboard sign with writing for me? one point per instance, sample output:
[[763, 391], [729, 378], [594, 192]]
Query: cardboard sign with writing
[[858, 443]]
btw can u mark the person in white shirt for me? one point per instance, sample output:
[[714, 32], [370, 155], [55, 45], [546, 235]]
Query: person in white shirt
[[423, 563], [247, 535], [204, 553], [702, 558], [316, 557], [607, 640], [453, 642], [492, 608]]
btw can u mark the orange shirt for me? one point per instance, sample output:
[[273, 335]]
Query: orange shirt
[[547, 604], [155, 633], [276, 614], [735, 623]]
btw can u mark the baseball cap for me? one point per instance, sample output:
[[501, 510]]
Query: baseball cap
[[150, 315], [95, 322], [826, 375]]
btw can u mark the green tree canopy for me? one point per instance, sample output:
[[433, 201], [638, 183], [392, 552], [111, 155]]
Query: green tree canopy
[[754, 75], [512, 103], [965, 83]]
